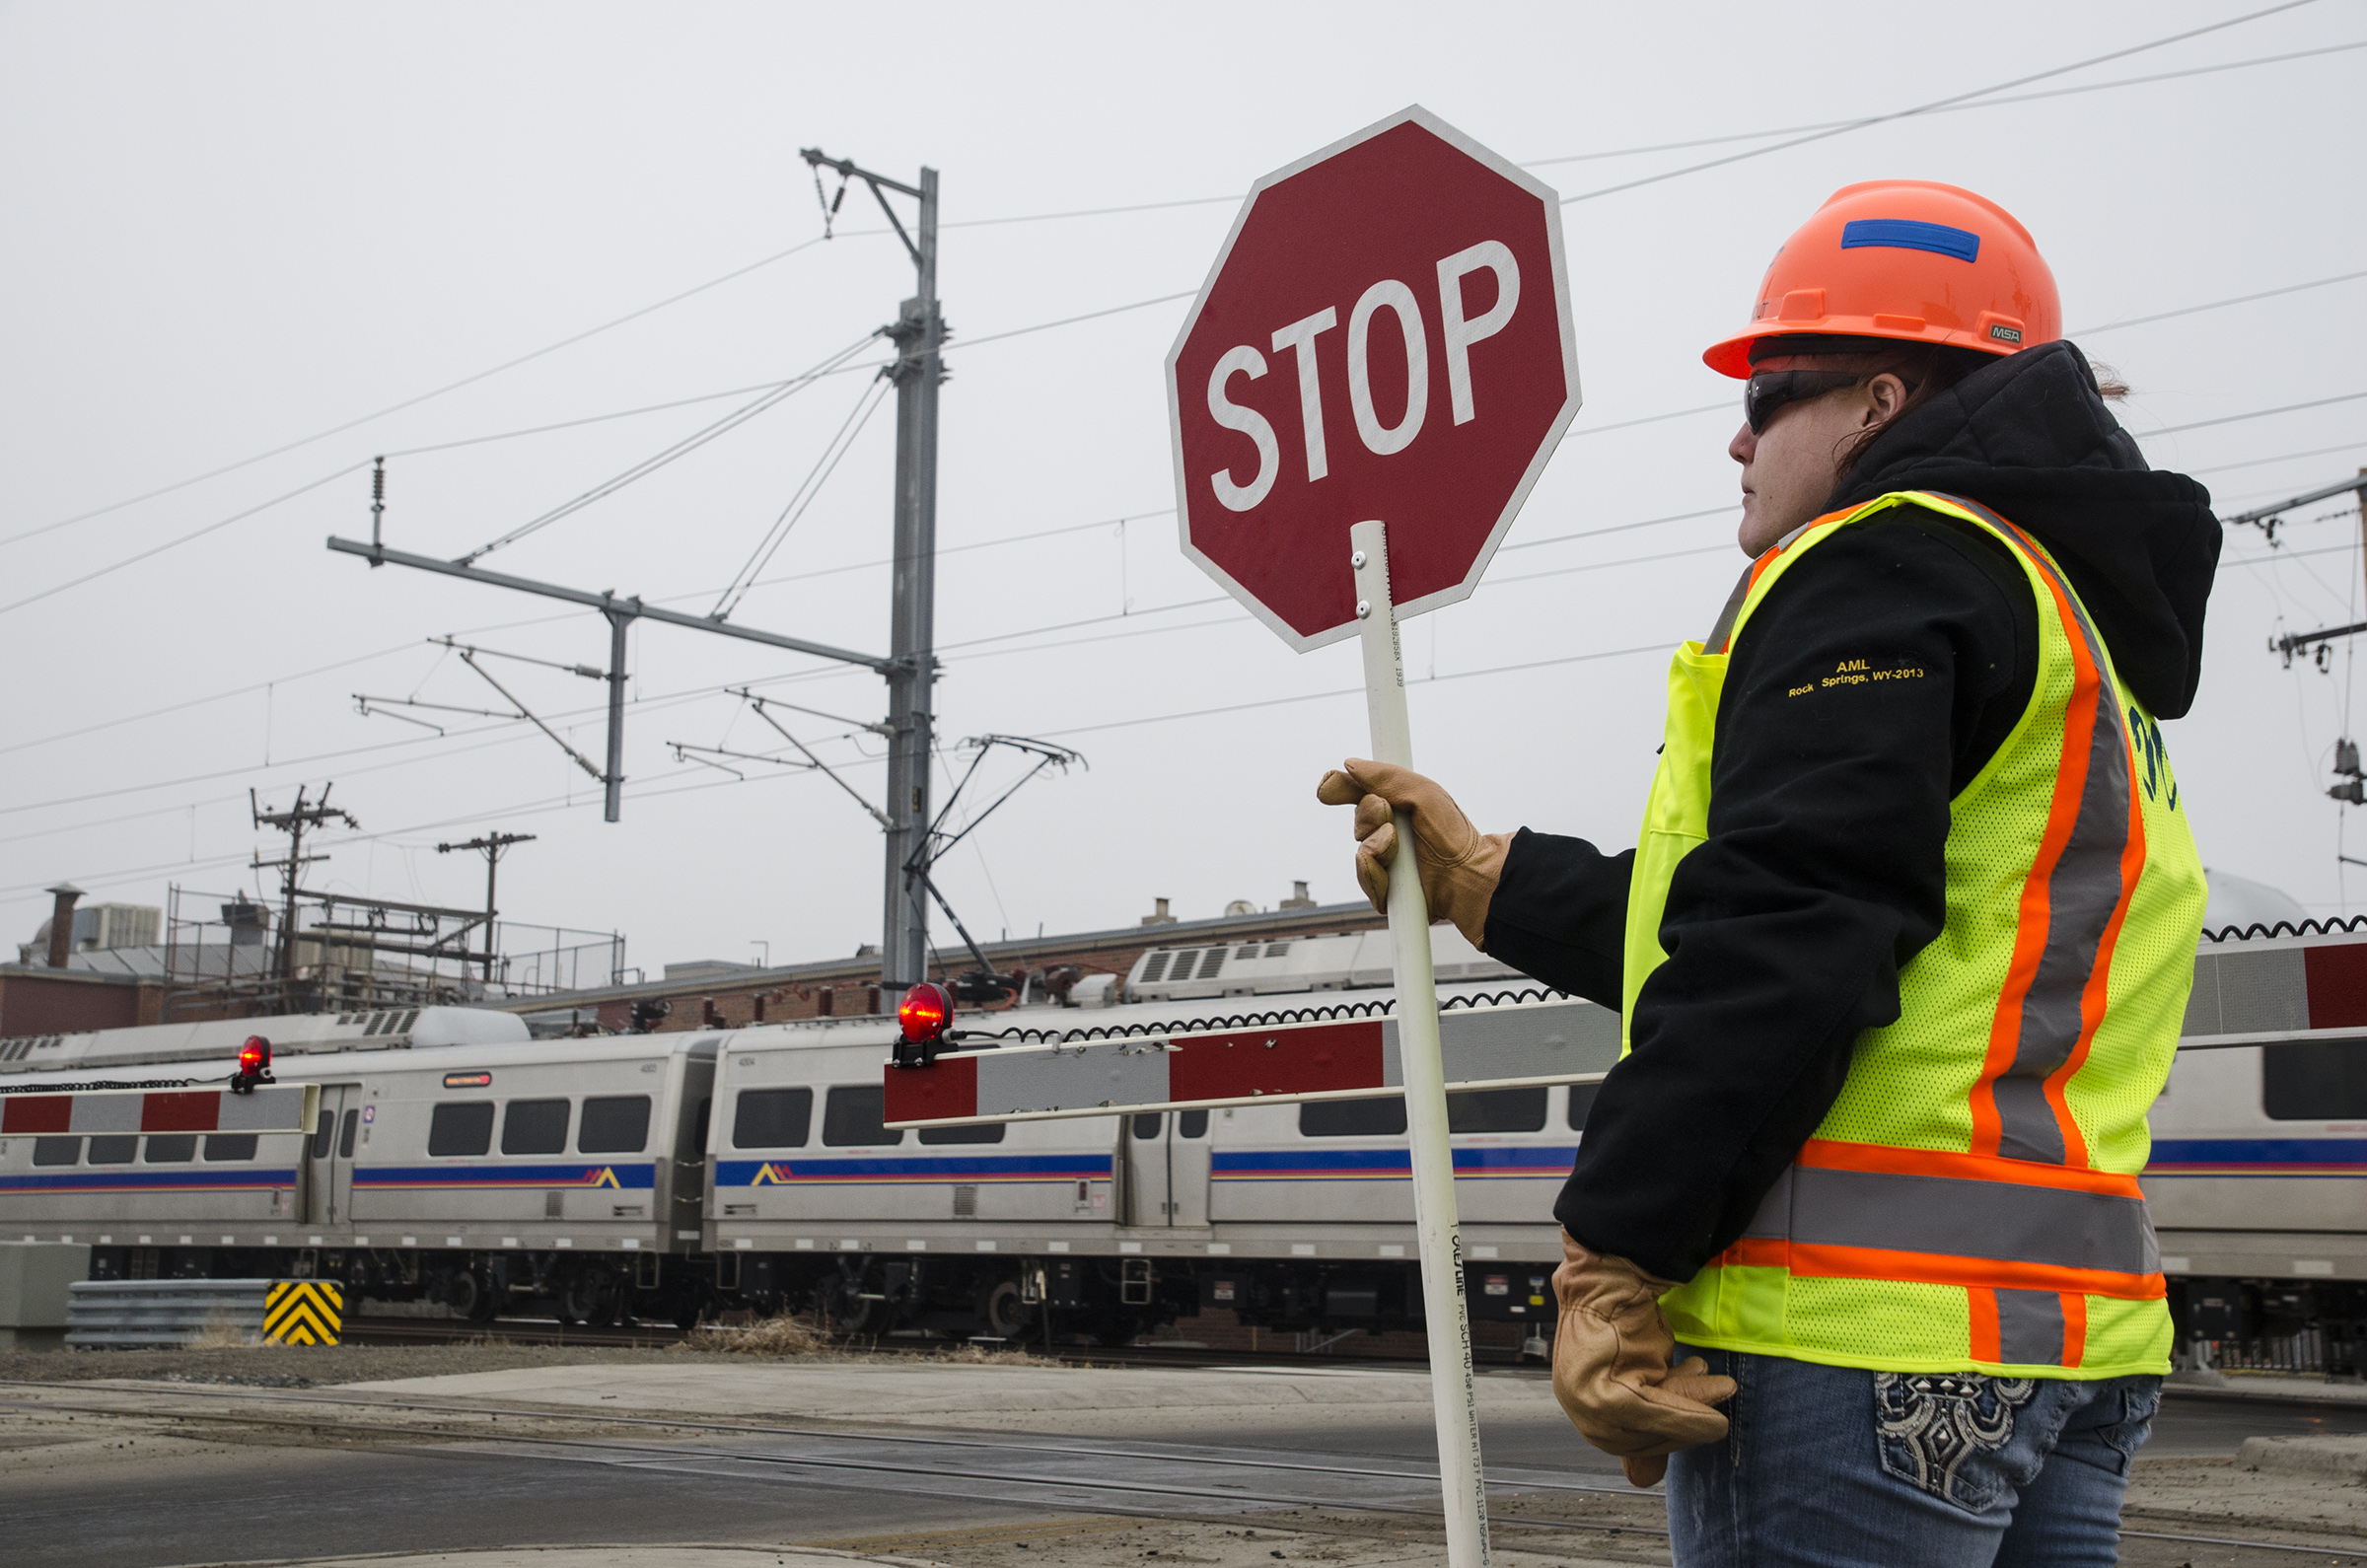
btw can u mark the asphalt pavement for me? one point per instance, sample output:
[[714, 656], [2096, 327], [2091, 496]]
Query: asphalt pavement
[[156, 1497]]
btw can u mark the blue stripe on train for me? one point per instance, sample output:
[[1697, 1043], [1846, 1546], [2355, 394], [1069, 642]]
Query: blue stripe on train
[[914, 1168], [1531, 1162], [150, 1179], [489, 1177], [2259, 1157]]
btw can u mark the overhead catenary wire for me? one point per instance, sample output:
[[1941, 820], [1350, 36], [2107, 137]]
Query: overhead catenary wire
[[1032, 536], [1952, 109], [792, 511], [1036, 535], [679, 449], [1986, 98], [1936, 104], [1166, 299], [1727, 139], [175, 542], [414, 402]]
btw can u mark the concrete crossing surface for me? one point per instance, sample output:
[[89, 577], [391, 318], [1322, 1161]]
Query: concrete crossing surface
[[715, 1464]]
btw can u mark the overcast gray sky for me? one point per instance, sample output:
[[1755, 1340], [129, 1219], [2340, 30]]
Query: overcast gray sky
[[231, 227]]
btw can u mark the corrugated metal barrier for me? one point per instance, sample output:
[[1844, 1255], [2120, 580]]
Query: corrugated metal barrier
[[140, 1314]]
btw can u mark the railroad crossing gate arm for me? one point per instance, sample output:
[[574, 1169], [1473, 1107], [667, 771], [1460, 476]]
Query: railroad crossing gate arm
[[273, 1108], [1497, 1046]]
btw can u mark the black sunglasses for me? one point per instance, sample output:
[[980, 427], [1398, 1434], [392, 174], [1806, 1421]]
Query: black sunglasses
[[1770, 390]]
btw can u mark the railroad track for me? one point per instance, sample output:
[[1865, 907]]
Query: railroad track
[[652, 1337], [507, 1330], [1001, 1461]]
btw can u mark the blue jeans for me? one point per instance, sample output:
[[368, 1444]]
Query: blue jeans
[[1838, 1467]]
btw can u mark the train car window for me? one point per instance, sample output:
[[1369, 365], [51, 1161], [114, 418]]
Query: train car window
[[1497, 1110], [57, 1151], [170, 1148], [1582, 1101], [2315, 1080], [1352, 1119], [228, 1146], [324, 1133], [113, 1150], [1146, 1124], [535, 1126], [458, 1127], [613, 1124], [353, 1125], [1191, 1124], [978, 1132], [852, 1114], [772, 1118]]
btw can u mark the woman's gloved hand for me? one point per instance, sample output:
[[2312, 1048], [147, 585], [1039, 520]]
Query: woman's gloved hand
[[1611, 1372], [1460, 865]]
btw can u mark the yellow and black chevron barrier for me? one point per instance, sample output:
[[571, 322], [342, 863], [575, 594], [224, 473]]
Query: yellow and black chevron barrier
[[303, 1312]]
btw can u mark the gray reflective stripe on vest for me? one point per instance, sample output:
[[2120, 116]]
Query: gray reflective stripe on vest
[[2083, 890], [1950, 1217], [2030, 1327]]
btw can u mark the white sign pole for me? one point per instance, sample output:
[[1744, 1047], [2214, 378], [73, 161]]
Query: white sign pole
[[1453, 1399]]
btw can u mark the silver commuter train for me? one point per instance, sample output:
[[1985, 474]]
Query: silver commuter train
[[663, 1176]]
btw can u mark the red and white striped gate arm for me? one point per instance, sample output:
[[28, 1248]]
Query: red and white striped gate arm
[[271, 1107], [2269, 988], [1494, 1046]]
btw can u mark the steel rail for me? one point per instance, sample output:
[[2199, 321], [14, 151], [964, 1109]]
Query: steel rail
[[1070, 1450], [679, 1456], [277, 1397]]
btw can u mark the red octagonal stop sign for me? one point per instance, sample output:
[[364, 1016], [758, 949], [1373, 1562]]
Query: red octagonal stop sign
[[1386, 334]]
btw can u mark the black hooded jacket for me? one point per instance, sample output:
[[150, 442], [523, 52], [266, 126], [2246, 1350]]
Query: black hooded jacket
[[1824, 873]]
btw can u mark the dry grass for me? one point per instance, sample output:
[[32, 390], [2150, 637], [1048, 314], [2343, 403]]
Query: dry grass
[[784, 1335], [793, 1335], [984, 1355], [218, 1332]]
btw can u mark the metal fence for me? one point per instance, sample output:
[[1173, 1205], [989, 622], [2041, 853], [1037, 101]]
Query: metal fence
[[145, 1314]]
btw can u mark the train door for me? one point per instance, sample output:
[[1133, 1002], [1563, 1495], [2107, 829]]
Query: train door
[[329, 1156], [1167, 1169], [1187, 1168], [1143, 1157]]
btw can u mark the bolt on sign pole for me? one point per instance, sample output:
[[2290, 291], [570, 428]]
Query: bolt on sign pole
[[1410, 286]]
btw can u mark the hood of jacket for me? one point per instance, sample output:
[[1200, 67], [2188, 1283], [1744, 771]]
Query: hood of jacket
[[2029, 438]]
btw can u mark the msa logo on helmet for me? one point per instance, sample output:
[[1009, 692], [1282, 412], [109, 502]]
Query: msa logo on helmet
[[2005, 335]]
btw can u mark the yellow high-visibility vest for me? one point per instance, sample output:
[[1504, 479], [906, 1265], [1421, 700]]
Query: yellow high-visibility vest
[[1970, 1201]]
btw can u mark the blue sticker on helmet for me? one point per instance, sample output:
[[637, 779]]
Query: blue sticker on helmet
[[1906, 234]]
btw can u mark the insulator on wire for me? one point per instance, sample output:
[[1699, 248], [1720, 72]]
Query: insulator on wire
[[2351, 792], [2346, 758]]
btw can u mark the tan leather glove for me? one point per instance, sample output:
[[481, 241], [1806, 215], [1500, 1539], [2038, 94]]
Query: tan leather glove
[[1460, 865], [1611, 1372]]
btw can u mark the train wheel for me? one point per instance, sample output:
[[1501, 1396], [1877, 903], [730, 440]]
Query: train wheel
[[1005, 1316], [591, 1298], [473, 1296]]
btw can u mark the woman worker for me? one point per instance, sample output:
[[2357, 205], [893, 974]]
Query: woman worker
[[1855, 1245]]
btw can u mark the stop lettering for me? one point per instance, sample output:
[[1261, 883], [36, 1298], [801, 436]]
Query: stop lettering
[[1386, 335]]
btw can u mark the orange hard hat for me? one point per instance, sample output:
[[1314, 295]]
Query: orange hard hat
[[1905, 259]]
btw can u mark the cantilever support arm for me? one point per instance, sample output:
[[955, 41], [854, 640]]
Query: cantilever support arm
[[379, 555]]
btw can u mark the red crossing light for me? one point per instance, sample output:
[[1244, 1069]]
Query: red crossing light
[[254, 1065], [923, 1017], [925, 1013]]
